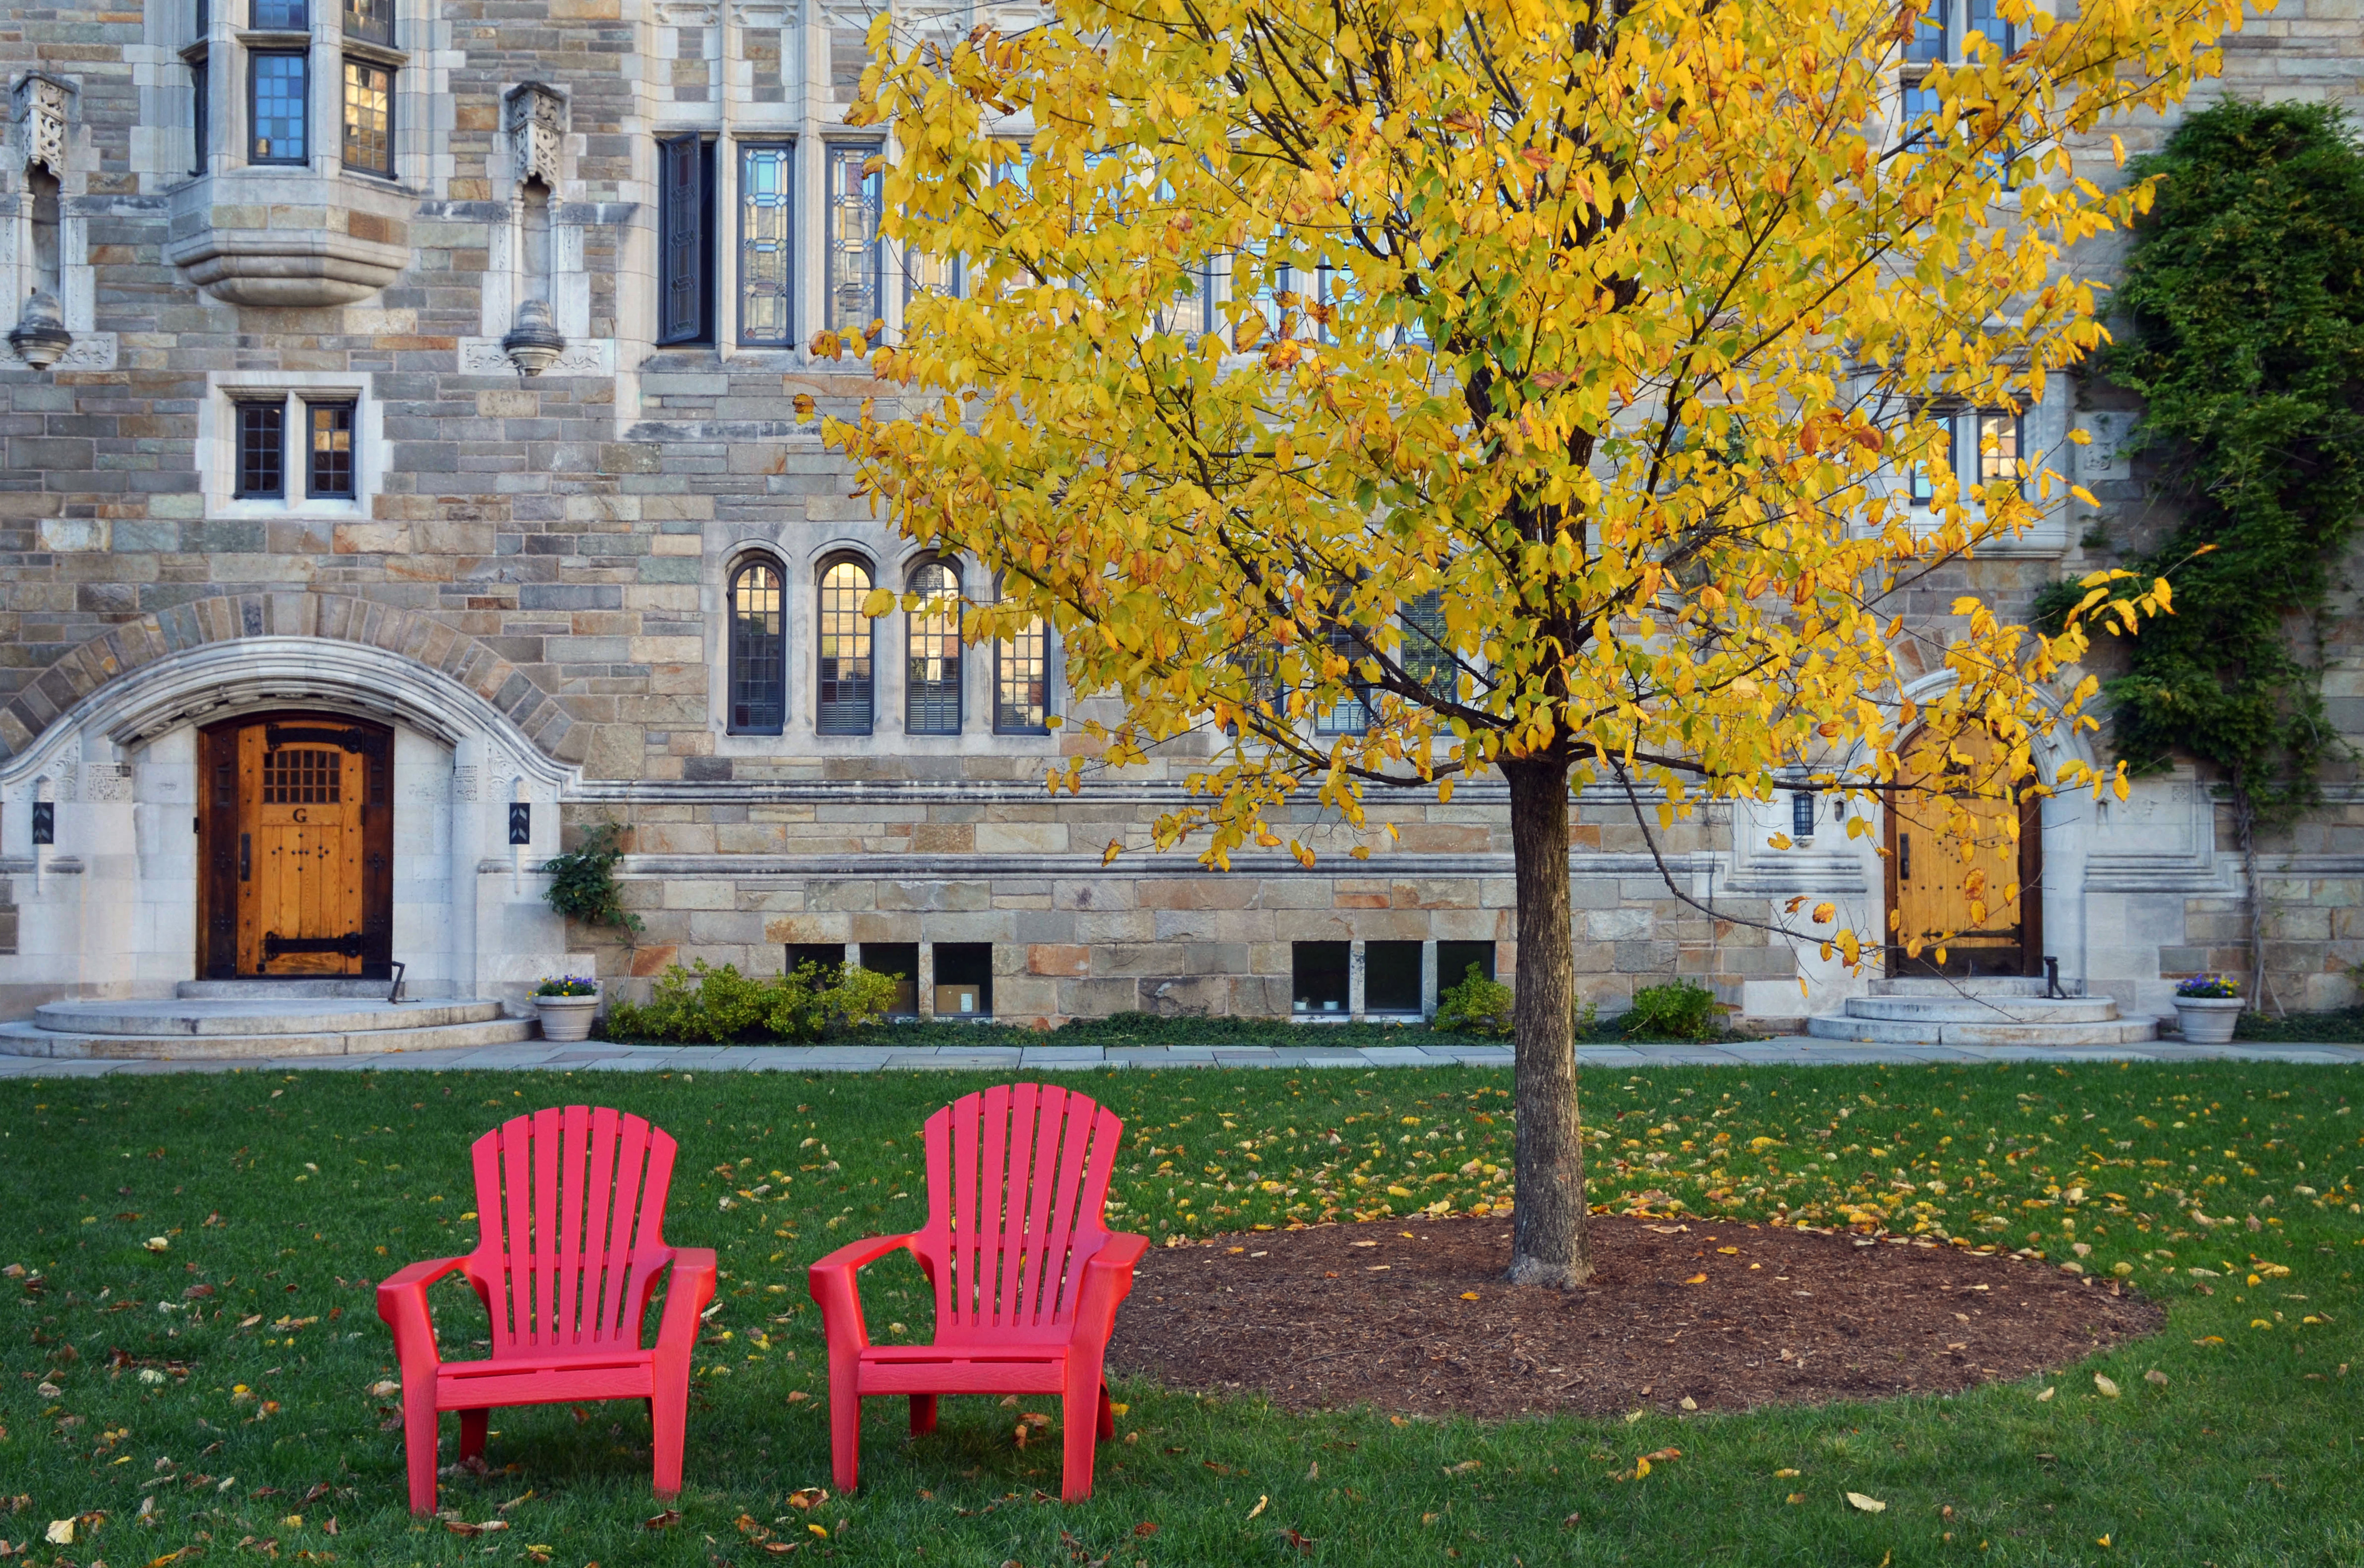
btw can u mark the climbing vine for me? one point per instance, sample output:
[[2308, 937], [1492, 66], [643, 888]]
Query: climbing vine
[[2244, 295]]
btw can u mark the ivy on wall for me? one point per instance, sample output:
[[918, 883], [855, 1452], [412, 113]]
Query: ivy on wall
[[2243, 330]]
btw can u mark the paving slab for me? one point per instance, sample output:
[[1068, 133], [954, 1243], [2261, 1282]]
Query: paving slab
[[598, 1056]]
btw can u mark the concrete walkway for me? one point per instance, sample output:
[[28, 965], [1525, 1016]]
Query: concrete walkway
[[588, 1056]]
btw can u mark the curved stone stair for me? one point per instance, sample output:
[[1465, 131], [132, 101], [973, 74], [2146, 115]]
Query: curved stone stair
[[1978, 1012], [286, 1025]]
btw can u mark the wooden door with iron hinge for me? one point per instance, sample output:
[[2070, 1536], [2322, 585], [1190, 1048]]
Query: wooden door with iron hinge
[[296, 839], [1981, 911]]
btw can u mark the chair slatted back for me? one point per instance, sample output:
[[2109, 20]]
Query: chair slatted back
[[570, 1206], [1017, 1178]]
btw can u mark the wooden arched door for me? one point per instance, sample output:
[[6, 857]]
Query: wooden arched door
[[296, 842], [1990, 899]]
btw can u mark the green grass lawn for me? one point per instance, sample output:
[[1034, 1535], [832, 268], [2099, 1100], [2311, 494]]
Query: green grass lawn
[[246, 1414]]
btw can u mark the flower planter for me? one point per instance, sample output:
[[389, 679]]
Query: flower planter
[[2208, 1020], [566, 1017]]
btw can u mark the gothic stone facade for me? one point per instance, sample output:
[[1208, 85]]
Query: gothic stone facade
[[285, 471]]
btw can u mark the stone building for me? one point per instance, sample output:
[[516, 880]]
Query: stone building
[[322, 625]]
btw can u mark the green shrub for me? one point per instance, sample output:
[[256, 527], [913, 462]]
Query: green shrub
[[583, 881], [1476, 1006], [1677, 1009], [722, 1006]]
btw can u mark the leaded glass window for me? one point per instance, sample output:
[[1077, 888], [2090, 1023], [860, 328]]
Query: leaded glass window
[[1022, 682], [370, 19], [854, 251], [277, 98], [262, 451], [931, 690], [1349, 715], [845, 681], [329, 472], [758, 671], [1427, 656], [766, 244], [369, 116]]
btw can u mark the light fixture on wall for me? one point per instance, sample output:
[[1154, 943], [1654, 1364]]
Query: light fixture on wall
[[535, 342], [40, 337]]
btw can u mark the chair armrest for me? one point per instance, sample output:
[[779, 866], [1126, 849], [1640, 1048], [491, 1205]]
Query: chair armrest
[[686, 1295], [832, 1285], [402, 1303], [1108, 1280]]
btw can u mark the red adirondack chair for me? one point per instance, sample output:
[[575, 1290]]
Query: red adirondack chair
[[1027, 1274], [571, 1206]]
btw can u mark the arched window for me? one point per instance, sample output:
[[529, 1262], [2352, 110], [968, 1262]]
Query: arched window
[[931, 692], [845, 682], [1022, 682], [758, 674]]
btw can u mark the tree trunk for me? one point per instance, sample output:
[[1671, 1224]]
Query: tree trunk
[[1548, 1245]]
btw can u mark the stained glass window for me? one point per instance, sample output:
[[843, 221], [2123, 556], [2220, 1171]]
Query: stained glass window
[[766, 244], [853, 302]]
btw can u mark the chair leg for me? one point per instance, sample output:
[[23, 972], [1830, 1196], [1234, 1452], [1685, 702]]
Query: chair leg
[[1080, 1428], [472, 1425], [668, 1429], [1107, 1416], [845, 1433], [418, 1445], [923, 1414]]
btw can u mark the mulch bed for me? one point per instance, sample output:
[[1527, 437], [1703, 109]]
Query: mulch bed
[[1346, 1315]]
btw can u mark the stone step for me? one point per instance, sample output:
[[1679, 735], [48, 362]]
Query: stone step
[[1943, 985], [1984, 1009], [1891, 1031], [26, 1039], [263, 989], [197, 1018]]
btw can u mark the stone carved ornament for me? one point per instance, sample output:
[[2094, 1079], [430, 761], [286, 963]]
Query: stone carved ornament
[[537, 119], [41, 124]]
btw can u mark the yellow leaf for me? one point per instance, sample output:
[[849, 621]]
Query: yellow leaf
[[1783, 1475], [1696, 1279], [1259, 1507], [2109, 1389], [1868, 1505]]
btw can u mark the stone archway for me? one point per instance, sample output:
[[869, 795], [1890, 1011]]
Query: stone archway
[[537, 714], [110, 908]]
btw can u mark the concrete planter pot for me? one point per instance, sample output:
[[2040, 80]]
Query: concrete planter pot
[[2209, 1020], [566, 1017]]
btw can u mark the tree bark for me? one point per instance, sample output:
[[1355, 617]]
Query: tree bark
[[1549, 1245]]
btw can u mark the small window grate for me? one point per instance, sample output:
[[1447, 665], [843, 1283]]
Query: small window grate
[[303, 778]]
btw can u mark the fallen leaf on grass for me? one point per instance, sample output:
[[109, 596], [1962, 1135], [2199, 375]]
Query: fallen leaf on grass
[[1868, 1505], [808, 1497], [1664, 1454], [2156, 1377], [1303, 1543], [2109, 1390], [670, 1518], [1796, 1497], [1783, 1475], [1570, 1523], [60, 1532], [1463, 1468], [1261, 1502], [2045, 1395], [1144, 1528]]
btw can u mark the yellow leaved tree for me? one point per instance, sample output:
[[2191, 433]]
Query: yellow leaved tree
[[1544, 377]]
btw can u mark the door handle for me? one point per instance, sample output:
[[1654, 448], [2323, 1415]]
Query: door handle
[[1904, 857], [246, 857]]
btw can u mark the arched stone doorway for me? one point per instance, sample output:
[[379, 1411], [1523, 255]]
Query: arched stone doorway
[[1962, 905]]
